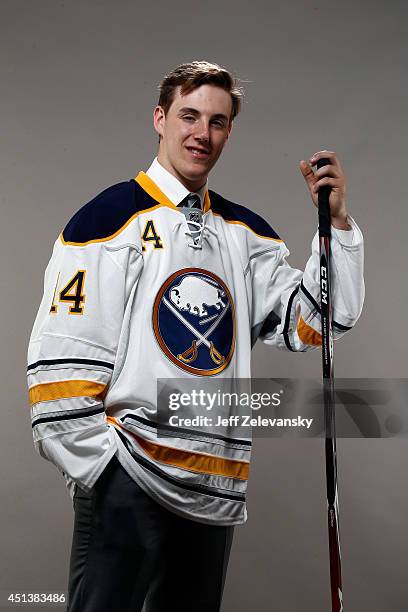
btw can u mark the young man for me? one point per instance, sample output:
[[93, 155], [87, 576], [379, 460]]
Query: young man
[[160, 277]]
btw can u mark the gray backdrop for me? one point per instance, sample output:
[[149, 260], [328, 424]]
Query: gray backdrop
[[78, 85]]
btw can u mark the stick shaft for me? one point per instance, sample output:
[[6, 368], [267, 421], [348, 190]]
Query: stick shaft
[[329, 404]]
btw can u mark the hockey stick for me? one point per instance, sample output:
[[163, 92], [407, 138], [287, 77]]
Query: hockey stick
[[328, 392]]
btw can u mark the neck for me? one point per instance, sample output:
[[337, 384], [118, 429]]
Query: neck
[[190, 184]]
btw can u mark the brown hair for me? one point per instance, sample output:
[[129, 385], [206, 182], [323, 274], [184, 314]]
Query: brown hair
[[192, 75]]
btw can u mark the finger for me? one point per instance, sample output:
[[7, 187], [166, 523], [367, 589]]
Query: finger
[[328, 170], [306, 169], [332, 158], [330, 182], [307, 172], [330, 155]]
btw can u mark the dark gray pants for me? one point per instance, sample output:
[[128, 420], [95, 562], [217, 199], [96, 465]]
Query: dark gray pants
[[128, 550]]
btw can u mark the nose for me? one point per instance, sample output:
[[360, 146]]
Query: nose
[[203, 131]]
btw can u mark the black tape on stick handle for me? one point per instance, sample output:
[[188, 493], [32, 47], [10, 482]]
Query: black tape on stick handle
[[324, 207]]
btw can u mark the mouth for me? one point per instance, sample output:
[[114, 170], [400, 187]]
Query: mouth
[[198, 153]]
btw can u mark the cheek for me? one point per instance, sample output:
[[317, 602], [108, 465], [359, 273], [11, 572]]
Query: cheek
[[178, 138], [219, 142], [184, 133]]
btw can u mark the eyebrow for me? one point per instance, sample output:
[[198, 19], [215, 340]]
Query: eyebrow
[[194, 111]]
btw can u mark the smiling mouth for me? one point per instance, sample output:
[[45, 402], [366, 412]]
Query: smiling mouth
[[198, 153]]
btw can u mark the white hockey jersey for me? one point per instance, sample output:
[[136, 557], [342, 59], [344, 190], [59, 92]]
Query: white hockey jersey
[[132, 295]]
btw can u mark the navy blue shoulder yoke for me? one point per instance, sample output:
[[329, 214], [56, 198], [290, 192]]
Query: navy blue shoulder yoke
[[236, 212], [106, 213]]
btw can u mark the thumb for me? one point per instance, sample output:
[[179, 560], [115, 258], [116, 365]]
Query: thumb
[[308, 174]]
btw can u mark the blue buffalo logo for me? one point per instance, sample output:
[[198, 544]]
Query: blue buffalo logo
[[194, 321]]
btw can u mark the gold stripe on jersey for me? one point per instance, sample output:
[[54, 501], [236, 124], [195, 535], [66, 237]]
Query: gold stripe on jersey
[[307, 334], [153, 190], [124, 226], [44, 392], [247, 227], [187, 460]]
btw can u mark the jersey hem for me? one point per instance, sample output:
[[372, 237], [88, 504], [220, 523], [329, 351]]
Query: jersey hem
[[122, 456]]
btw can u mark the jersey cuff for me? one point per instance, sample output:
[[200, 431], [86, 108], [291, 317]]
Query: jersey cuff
[[348, 238]]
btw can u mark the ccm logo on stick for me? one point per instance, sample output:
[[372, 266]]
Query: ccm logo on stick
[[323, 283]]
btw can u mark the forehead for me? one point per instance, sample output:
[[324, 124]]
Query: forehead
[[207, 99]]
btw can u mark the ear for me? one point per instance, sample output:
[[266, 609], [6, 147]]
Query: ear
[[159, 119], [230, 126]]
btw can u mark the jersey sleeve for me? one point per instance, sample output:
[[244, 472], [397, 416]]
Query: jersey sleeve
[[286, 310], [88, 289]]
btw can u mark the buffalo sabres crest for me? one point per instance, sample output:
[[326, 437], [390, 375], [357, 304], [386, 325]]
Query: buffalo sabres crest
[[194, 321]]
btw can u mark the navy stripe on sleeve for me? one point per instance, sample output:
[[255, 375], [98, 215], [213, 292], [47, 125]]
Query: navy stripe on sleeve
[[311, 299], [70, 360]]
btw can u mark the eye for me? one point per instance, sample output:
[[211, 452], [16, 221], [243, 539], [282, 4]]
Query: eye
[[189, 118], [218, 123]]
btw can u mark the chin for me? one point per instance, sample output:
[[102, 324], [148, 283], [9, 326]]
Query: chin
[[195, 173]]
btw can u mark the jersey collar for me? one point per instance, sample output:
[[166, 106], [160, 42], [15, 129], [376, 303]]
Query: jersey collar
[[165, 188]]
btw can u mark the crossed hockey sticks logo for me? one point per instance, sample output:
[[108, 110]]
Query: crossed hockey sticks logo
[[193, 297], [190, 354]]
